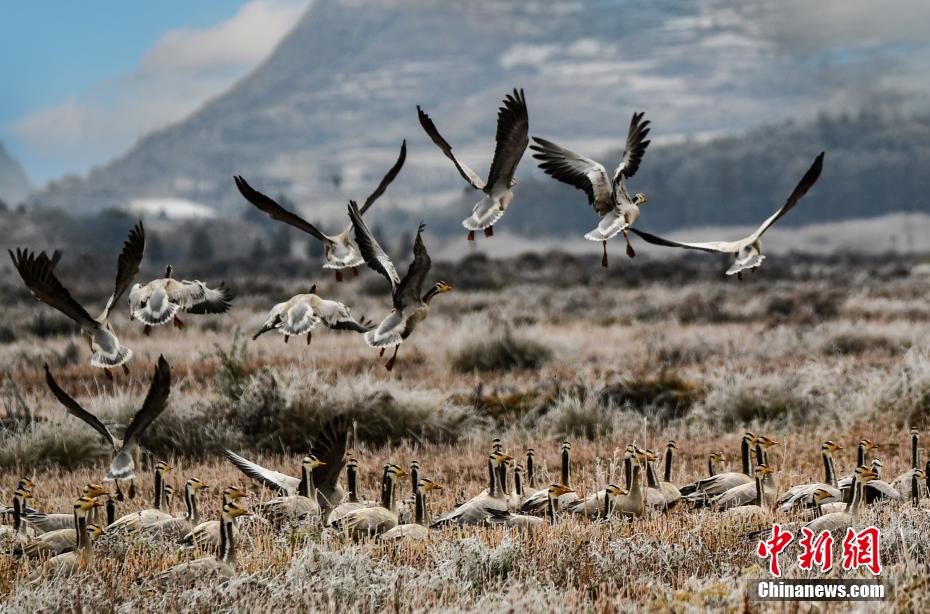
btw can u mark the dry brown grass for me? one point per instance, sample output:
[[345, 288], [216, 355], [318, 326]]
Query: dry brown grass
[[628, 365]]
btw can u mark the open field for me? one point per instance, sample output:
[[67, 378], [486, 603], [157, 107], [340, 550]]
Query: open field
[[824, 348]]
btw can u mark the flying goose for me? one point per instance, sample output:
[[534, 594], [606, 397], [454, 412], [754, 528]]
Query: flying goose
[[220, 567], [418, 530], [609, 197], [329, 447], [158, 302], [38, 275], [339, 251], [123, 465], [512, 139], [410, 306], [301, 313], [207, 533], [747, 252]]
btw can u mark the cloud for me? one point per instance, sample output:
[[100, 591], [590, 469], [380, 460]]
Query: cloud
[[182, 70]]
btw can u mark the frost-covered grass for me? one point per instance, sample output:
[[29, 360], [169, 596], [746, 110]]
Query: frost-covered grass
[[701, 362]]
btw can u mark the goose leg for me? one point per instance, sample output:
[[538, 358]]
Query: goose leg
[[338, 274], [604, 257], [109, 375], [147, 330], [471, 235], [355, 271], [132, 489], [390, 364], [381, 353], [739, 276], [178, 324], [629, 247], [309, 336], [489, 231], [286, 338], [125, 369], [119, 492]]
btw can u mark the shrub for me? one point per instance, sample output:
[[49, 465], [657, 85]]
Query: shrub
[[506, 352], [666, 393]]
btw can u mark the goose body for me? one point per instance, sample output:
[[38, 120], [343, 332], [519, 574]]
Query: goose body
[[418, 530], [206, 535], [372, 521], [147, 517], [802, 495], [538, 501], [159, 301], [747, 252], [609, 197], [512, 139], [478, 508], [339, 251], [703, 490], [66, 563], [177, 526], [301, 314], [37, 272]]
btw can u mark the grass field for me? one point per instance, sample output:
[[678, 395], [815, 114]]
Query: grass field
[[825, 349]]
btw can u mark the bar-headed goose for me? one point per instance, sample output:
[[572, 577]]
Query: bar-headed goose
[[44, 522], [609, 197], [147, 517], [178, 526], [478, 508], [372, 521], [123, 465], [802, 495], [159, 301], [410, 306], [419, 529], [66, 562], [512, 139], [300, 314], [747, 252], [37, 271], [320, 475], [339, 252], [699, 492], [207, 533]]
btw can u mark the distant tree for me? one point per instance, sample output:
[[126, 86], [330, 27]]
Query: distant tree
[[201, 245], [3, 205]]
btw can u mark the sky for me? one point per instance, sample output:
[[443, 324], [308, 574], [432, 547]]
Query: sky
[[82, 81]]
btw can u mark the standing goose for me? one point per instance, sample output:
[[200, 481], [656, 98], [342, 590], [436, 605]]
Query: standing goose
[[632, 504], [178, 526], [297, 500], [410, 306], [878, 489], [329, 449], [371, 521], [526, 521], [609, 197], [65, 564], [478, 508], [536, 504], [123, 465], [159, 301], [18, 534], [52, 543], [419, 529], [846, 484], [739, 500], [662, 495], [699, 492], [339, 252], [902, 482], [300, 314], [840, 520], [747, 252], [512, 139], [713, 460], [44, 522], [747, 493], [354, 503], [147, 517], [918, 477], [802, 494], [38, 274], [671, 492], [211, 568], [207, 533]]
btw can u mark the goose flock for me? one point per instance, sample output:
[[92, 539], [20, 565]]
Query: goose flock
[[516, 496]]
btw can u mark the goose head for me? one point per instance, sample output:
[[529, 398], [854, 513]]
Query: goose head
[[830, 446], [231, 493], [640, 199]]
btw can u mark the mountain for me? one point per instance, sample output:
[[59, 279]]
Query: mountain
[[322, 118], [14, 184]]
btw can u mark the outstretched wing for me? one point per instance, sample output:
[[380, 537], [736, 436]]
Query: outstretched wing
[[411, 286], [276, 211], [636, 144], [196, 297], [154, 404], [75, 409], [330, 447], [130, 259], [807, 181], [375, 257], [386, 181], [37, 273], [726, 247], [574, 169], [513, 127], [469, 175], [272, 479]]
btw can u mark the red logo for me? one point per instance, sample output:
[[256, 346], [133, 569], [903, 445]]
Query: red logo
[[817, 551], [772, 547], [859, 549], [862, 550]]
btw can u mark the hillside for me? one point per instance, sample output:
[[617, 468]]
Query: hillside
[[14, 184]]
